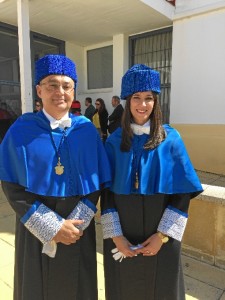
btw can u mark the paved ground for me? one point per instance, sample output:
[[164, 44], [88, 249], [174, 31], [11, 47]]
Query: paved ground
[[203, 282]]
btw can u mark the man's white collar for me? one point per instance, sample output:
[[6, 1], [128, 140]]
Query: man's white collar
[[65, 121]]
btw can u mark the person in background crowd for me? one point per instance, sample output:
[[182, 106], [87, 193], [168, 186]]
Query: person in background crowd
[[90, 110], [144, 214], [53, 190], [116, 116], [38, 106], [76, 108], [100, 118], [5, 120]]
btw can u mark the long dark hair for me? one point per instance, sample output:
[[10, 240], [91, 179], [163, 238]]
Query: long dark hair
[[101, 106], [157, 133]]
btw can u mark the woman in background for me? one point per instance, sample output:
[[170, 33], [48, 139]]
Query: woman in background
[[100, 118]]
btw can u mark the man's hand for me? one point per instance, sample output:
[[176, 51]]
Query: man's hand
[[69, 234]]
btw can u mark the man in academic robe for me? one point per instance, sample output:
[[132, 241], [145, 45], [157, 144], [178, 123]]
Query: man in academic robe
[[52, 166]]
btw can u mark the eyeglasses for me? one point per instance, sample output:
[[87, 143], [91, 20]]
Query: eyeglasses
[[54, 87], [38, 105]]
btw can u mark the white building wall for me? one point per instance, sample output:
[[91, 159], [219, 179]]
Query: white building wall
[[196, 6], [198, 81], [120, 64]]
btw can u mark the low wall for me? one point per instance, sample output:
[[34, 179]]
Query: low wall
[[204, 237]]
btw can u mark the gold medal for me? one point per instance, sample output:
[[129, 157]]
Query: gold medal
[[59, 169]]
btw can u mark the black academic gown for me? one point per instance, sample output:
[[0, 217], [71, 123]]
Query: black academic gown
[[157, 277], [72, 274]]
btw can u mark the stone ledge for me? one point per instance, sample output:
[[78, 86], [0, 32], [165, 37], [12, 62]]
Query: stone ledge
[[212, 193]]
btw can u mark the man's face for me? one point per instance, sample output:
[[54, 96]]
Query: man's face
[[57, 94], [38, 106], [114, 102]]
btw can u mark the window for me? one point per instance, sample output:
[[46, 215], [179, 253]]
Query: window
[[154, 49], [10, 96], [10, 102], [100, 68]]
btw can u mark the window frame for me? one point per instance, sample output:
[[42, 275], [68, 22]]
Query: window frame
[[97, 90]]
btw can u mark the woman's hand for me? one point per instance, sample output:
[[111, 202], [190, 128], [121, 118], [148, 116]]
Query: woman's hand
[[68, 234], [123, 246], [151, 246]]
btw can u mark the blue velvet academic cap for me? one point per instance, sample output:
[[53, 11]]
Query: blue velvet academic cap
[[140, 78], [54, 64]]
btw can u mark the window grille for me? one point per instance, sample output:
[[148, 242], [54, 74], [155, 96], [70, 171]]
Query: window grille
[[154, 49]]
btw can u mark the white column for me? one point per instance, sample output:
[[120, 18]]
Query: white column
[[24, 55], [120, 61]]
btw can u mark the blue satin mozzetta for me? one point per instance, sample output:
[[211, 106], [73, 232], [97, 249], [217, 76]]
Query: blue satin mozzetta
[[166, 169], [28, 158]]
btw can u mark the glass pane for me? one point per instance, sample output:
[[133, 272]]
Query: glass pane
[[42, 48], [100, 68], [10, 104]]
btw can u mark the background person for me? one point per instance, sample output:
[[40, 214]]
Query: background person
[[76, 108], [145, 212], [116, 116], [100, 118], [38, 106], [90, 110], [5, 120], [52, 189]]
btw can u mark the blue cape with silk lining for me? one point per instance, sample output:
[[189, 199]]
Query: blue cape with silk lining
[[166, 169], [28, 157]]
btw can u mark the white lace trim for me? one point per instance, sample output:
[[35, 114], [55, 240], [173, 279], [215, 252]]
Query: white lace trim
[[44, 223], [173, 224], [111, 225], [82, 212]]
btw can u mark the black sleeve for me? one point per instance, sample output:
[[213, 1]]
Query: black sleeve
[[107, 200], [104, 122], [180, 201], [93, 197], [20, 200]]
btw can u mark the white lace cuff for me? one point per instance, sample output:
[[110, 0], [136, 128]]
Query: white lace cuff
[[85, 210], [111, 224], [42, 222], [173, 223]]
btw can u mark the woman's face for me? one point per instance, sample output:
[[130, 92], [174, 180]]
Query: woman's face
[[97, 104], [141, 106]]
